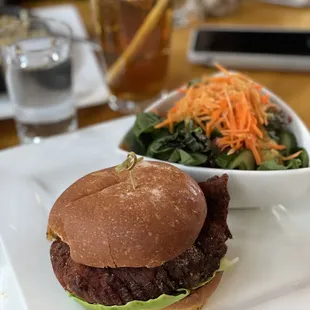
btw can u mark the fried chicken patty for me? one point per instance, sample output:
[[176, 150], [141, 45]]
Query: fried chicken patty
[[118, 286]]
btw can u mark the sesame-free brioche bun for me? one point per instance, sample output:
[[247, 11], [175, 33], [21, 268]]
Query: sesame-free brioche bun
[[107, 223], [198, 298]]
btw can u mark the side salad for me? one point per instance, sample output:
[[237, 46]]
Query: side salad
[[223, 122]]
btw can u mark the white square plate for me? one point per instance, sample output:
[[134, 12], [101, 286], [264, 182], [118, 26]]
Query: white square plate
[[89, 86], [272, 244]]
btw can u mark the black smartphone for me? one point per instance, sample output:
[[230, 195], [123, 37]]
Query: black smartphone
[[251, 48]]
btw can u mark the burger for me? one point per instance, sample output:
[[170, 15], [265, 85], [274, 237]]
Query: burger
[[157, 245]]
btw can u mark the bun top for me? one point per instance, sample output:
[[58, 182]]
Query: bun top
[[107, 223]]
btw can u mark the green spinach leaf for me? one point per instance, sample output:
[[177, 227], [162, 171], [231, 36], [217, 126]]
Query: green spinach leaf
[[132, 143], [162, 148], [143, 133], [145, 123], [175, 156], [192, 159], [185, 146], [180, 156], [223, 160]]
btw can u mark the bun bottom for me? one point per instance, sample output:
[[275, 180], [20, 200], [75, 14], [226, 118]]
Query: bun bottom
[[199, 297]]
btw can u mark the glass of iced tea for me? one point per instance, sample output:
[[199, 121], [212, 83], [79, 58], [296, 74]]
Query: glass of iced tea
[[135, 38]]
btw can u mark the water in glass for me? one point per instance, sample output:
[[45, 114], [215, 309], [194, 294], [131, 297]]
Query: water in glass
[[39, 82]]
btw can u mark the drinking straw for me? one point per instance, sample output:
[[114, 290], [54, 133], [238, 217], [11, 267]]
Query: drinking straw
[[143, 32]]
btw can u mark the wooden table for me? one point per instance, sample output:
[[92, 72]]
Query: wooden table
[[294, 88]]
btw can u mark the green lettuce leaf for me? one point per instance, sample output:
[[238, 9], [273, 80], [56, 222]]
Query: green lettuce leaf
[[303, 157], [271, 165], [225, 265], [161, 302], [295, 163]]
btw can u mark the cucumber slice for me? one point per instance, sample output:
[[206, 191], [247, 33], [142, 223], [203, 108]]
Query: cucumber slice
[[243, 161], [288, 139]]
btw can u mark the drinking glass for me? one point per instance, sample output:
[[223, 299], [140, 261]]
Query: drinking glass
[[135, 38], [37, 64]]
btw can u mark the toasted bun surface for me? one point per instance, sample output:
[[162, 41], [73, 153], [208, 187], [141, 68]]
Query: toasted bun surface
[[198, 298], [107, 223]]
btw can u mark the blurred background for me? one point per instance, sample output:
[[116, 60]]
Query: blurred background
[[127, 53]]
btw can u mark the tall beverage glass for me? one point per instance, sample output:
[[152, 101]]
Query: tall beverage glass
[[135, 38]]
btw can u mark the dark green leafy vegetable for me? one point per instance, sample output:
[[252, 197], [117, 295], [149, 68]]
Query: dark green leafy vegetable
[[180, 156], [223, 160], [188, 145], [143, 133], [162, 148], [187, 148], [145, 123], [132, 143], [175, 157], [192, 159]]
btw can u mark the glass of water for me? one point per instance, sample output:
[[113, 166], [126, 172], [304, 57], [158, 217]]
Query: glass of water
[[37, 61]]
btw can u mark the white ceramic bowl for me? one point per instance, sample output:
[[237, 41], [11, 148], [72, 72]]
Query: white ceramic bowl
[[250, 189]]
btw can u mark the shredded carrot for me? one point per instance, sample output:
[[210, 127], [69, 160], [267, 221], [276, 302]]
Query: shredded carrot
[[222, 69], [265, 99], [292, 156], [275, 146], [234, 105]]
